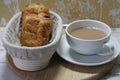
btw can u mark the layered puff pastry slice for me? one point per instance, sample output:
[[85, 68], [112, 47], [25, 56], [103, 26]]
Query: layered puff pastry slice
[[36, 25]]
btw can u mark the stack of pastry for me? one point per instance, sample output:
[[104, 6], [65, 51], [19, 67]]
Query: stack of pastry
[[36, 25]]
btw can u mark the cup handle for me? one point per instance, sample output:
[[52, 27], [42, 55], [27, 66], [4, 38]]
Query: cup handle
[[65, 25], [107, 50], [111, 46]]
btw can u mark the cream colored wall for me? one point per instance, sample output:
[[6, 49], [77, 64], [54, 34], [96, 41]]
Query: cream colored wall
[[107, 11]]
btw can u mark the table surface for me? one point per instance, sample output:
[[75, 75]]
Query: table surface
[[7, 74]]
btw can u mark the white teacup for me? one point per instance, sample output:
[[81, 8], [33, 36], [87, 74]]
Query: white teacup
[[87, 47]]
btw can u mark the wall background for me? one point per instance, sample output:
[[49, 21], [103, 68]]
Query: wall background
[[107, 11]]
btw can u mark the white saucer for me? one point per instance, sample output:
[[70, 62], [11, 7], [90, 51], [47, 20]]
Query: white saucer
[[105, 56]]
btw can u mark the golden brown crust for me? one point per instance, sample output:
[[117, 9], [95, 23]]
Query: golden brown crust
[[36, 25], [35, 9]]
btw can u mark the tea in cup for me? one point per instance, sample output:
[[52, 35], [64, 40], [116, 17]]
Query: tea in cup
[[87, 36]]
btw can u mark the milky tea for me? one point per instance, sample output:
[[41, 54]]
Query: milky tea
[[88, 33]]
